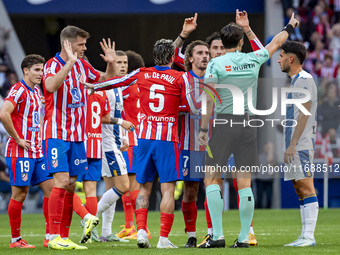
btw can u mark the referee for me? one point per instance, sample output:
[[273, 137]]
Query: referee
[[240, 70]]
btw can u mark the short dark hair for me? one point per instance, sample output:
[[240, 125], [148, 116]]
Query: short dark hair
[[163, 50], [214, 36], [71, 33], [231, 34], [188, 53], [296, 48], [31, 60], [135, 60]]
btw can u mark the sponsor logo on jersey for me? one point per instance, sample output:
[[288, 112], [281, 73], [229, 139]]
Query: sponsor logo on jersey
[[81, 161], [34, 129], [228, 68], [75, 105], [94, 135], [162, 119], [242, 67]]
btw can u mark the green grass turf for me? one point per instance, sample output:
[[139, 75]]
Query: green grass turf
[[273, 229]]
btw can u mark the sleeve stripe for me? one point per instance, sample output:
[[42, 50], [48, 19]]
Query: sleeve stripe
[[258, 43], [111, 82]]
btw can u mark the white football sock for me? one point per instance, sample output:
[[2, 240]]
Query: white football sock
[[108, 198], [107, 218], [311, 211]]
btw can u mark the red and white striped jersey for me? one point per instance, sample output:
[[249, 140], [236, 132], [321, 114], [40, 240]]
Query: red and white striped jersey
[[65, 109], [97, 106], [161, 89], [191, 121], [131, 110], [26, 120]]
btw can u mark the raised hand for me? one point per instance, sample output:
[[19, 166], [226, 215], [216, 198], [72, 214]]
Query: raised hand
[[189, 25], [294, 22], [109, 51], [72, 56], [242, 18]]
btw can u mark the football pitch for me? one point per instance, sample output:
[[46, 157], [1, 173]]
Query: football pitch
[[273, 229]]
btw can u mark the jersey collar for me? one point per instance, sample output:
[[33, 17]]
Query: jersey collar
[[294, 78], [162, 68], [23, 82], [196, 76], [60, 59]]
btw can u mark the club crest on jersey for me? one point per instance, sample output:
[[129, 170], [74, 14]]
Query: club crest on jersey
[[55, 163], [24, 177], [75, 94], [185, 171], [119, 106]]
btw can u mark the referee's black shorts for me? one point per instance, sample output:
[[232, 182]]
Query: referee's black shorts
[[236, 139]]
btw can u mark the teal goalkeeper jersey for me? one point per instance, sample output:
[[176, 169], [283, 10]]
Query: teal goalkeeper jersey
[[240, 70]]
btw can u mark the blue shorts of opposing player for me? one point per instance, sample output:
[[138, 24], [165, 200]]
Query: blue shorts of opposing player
[[130, 159], [162, 157], [94, 172], [65, 156], [27, 171]]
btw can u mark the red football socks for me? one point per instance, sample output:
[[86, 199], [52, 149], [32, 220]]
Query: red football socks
[[133, 197], [166, 223], [45, 212], [141, 218], [14, 214], [128, 211], [91, 205], [67, 215], [55, 209], [78, 206], [189, 210], [207, 214]]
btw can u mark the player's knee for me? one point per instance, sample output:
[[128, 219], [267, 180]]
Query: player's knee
[[305, 191], [20, 197], [71, 186], [190, 193], [123, 186]]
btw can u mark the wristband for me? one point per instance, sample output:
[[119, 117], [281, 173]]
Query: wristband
[[120, 121], [204, 130], [183, 38], [289, 29]]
